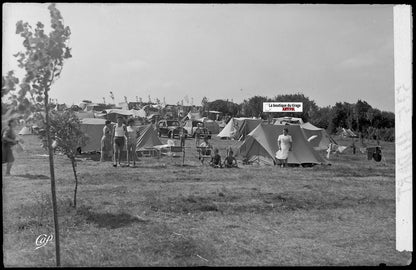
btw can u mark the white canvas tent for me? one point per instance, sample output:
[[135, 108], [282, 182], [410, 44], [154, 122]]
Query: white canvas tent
[[261, 146], [348, 133], [25, 131]]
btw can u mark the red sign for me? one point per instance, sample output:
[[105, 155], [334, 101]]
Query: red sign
[[288, 109]]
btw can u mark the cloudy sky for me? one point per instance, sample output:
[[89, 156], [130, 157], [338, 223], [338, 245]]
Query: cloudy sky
[[330, 53]]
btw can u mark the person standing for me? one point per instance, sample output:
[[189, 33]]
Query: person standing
[[198, 133], [182, 137], [119, 140], [284, 142], [131, 142], [106, 141], [8, 140]]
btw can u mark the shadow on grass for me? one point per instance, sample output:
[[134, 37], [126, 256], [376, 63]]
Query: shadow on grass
[[109, 220], [32, 176], [169, 248], [94, 156], [185, 166], [157, 166], [260, 202]]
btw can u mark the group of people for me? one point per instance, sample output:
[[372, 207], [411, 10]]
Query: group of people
[[284, 142], [229, 161], [116, 137]]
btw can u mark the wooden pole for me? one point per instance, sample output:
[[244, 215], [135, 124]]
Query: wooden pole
[[53, 188]]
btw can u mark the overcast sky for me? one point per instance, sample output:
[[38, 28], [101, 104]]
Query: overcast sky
[[330, 53]]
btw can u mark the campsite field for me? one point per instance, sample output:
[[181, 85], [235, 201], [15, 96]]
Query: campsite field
[[162, 214]]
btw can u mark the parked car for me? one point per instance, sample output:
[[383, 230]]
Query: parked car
[[191, 125], [170, 128]]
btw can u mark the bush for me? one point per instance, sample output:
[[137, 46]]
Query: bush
[[387, 134]]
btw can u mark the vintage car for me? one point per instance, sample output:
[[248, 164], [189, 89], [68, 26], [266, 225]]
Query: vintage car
[[170, 128], [191, 125]]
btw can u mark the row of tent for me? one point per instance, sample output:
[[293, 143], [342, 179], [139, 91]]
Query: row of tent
[[239, 128], [112, 114], [260, 140], [260, 144]]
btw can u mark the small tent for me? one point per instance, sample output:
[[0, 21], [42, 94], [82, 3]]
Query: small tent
[[238, 128], [148, 138], [25, 131], [228, 131], [93, 128], [322, 139], [261, 145], [348, 133]]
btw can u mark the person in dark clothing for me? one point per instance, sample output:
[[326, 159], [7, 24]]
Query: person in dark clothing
[[230, 161], [216, 160]]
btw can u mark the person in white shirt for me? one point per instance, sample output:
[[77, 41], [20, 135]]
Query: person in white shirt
[[131, 142], [119, 139], [284, 142]]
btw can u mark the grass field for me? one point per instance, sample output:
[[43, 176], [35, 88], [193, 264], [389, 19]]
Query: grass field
[[163, 214]]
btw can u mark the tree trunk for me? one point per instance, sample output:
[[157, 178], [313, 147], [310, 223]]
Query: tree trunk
[[76, 180], [53, 189]]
